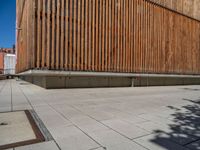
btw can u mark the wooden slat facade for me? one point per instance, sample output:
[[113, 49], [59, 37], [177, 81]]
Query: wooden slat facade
[[128, 36], [189, 8]]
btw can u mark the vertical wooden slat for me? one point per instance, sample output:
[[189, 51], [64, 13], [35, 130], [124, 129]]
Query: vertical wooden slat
[[131, 35], [93, 33], [39, 34], [53, 39], [118, 35], [135, 36], [58, 29], [32, 34], [117, 50], [100, 35], [43, 33], [70, 34], [79, 36], [89, 34], [121, 36], [49, 15], [66, 60], [62, 42], [113, 36], [86, 36], [82, 33], [110, 36], [139, 37], [97, 35], [124, 35], [74, 30], [106, 35]]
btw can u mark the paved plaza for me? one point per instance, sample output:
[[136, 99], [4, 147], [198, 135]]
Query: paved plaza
[[139, 118]]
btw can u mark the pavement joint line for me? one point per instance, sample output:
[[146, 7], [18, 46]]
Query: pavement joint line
[[49, 131], [184, 145], [3, 86], [170, 139], [97, 148], [47, 135], [100, 122], [192, 142], [57, 144], [46, 128], [141, 145], [2, 82], [35, 111], [11, 91], [52, 137], [142, 136], [27, 92], [108, 126], [77, 126], [26, 98], [138, 122]]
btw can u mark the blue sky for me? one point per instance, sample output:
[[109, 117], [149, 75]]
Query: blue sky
[[7, 23]]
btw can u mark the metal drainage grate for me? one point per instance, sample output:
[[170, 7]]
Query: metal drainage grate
[[21, 128]]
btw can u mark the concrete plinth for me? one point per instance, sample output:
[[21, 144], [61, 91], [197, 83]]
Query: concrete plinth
[[50, 82], [55, 79], [78, 82]]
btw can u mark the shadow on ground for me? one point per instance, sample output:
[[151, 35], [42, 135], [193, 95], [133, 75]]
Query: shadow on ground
[[185, 129]]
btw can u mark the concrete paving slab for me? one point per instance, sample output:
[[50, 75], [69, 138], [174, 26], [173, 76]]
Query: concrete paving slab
[[5, 109], [88, 124], [125, 146], [16, 129], [169, 131], [112, 140], [194, 145], [153, 127], [100, 148], [172, 110], [154, 142], [179, 138], [21, 107], [155, 118], [5, 100], [51, 118], [73, 138], [99, 115], [74, 143], [50, 145], [67, 111], [129, 130], [133, 119]]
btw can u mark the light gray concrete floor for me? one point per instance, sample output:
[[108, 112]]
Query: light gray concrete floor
[[18, 128], [143, 118]]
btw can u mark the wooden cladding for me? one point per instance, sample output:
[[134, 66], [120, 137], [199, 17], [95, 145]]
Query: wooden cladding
[[132, 36], [190, 8]]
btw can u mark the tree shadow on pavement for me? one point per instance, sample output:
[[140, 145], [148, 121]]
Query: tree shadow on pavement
[[184, 131]]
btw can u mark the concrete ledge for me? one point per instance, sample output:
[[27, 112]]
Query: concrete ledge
[[99, 74], [63, 79], [50, 82]]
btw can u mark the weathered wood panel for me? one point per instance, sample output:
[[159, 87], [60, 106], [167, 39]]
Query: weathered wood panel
[[106, 36], [190, 8], [26, 36]]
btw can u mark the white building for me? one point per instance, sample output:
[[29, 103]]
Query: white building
[[9, 64]]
